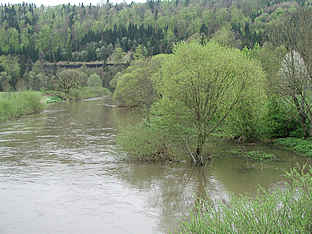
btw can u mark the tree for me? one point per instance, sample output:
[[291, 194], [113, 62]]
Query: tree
[[296, 87], [295, 84], [200, 87], [10, 69], [68, 79], [94, 81], [135, 87]]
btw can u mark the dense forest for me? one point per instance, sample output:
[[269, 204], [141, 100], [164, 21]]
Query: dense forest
[[115, 33]]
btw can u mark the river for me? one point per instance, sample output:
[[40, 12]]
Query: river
[[60, 172]]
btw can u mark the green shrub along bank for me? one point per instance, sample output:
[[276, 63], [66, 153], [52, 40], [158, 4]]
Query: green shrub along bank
[[76, 94], [87, 92], [14, 105], [283, 211], [303, 146]]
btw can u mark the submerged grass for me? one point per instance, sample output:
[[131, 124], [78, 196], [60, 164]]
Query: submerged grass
[[16, 104], [255, 155], [299, 145], [283, 211]]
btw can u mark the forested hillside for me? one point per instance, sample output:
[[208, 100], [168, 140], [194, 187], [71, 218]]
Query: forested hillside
[[120, 32]]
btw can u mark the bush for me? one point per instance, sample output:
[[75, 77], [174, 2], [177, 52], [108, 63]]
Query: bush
[[94, 81], [283, 211], [260, 156], [298, 145], [281, 119], [88, 92], [142, 142], [13, 105]]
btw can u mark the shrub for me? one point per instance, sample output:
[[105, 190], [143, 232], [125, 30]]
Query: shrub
[[13, 105], [299, 145], [281, 119], [94, 81], [260, 156], [142, 142], [283, 211]]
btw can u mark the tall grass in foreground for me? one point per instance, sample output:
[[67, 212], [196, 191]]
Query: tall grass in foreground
[[14, 105], [282, 211]]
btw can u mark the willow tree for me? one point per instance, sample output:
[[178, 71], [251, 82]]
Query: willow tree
[[68, 79], [200, 87]]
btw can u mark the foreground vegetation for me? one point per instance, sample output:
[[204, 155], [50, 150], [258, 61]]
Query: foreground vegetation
[[287, 210], [303, 146], [13, 105]]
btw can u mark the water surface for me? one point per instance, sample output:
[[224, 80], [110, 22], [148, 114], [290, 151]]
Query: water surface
[[60, 172]]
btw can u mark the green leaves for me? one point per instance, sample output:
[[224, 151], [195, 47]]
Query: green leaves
[[201, 86]]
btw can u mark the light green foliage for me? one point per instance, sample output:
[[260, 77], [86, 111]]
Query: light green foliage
[[94, 81], [113, 82], [135, 85], [9, 72], [260, 156], [87, 92], [118, 56], [140, 53], [303, 146], [142, 142], [200, 88], [282, 211], [246, 121], [226, 37], [270, 58], [68, 79], [13, 105]]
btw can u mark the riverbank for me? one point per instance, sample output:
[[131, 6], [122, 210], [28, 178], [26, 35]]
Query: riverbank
[[76, 94], [299, 145], [16, 104]]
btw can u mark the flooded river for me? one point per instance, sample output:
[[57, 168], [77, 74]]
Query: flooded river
[[60, 172]]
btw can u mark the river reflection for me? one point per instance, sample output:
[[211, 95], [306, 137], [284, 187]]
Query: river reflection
[[60, 173]]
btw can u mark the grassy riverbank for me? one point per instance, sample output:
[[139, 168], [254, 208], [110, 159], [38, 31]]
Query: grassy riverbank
[[283, 211], [88, 92], [78, 94], [299, 145], [14, 105]]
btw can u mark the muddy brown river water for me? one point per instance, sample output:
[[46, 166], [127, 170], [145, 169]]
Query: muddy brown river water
[[60, 172]]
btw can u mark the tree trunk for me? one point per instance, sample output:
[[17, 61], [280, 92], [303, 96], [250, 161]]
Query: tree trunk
[[199, 150]]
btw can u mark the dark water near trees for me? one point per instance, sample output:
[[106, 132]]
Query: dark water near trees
[[60, 173]]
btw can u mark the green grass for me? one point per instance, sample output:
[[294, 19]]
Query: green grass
[[299, 145], [260, 156], [254, 155], [286, 210], [16, 104]]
